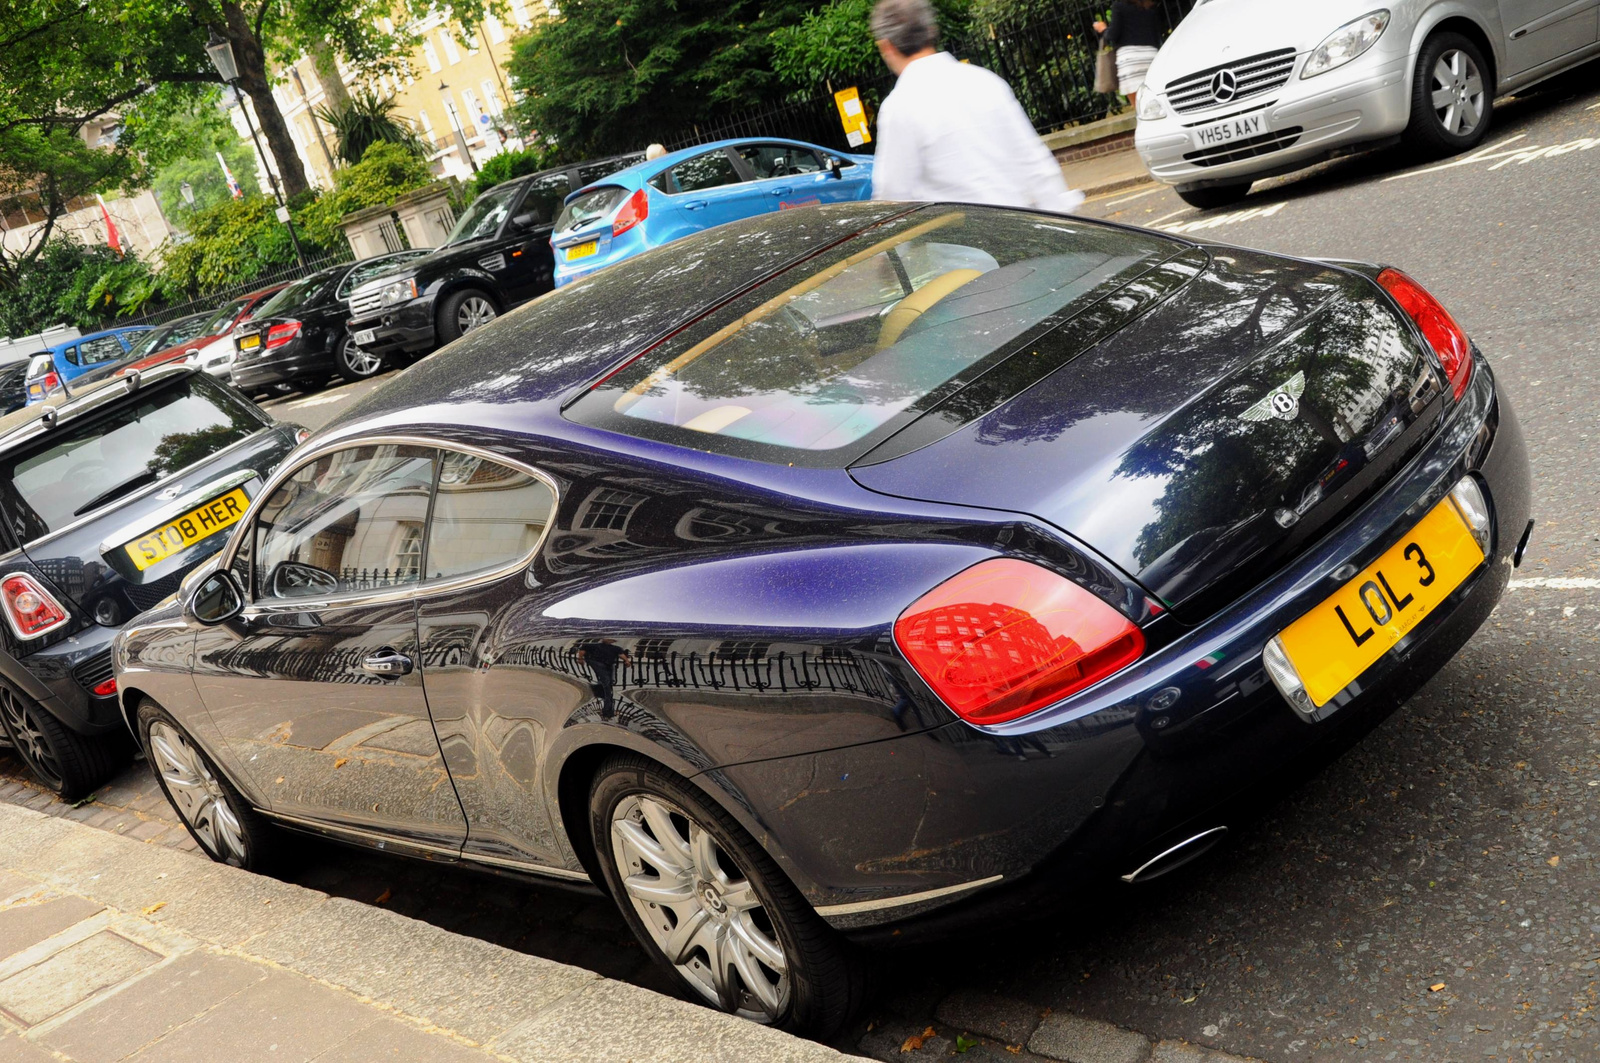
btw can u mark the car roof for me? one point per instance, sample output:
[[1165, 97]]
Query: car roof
[[638, 174], [22, 425], [113, 331]]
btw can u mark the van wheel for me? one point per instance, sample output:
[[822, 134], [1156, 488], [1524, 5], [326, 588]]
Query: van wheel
[[463, 311], [70, 764], [1213, 196], [712, 907], [1452, 97]]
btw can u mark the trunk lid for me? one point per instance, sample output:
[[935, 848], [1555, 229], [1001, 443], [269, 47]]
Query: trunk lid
[[1204, 444]]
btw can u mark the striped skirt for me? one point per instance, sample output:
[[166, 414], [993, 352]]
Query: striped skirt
[[1132, 63]]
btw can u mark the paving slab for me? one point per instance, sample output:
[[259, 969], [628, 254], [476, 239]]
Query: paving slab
[[24, 925], [1077, 1040], [72, 976], [477, 989], [397, 1041], [152, 1007], [13, 1049]]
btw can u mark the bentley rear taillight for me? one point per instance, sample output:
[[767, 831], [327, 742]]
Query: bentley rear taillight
[[1007, 637], [1448, 340], [634, 211], [32, 610]]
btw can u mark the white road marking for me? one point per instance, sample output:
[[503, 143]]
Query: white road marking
[[1556, 583], [319, 400], [1164, 217], [1136, 195], [1233, 218]]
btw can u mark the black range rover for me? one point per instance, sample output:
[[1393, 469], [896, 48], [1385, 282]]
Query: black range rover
[[107, 499], [497, 256]]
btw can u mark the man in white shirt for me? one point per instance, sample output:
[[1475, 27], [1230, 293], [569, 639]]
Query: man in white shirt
[[952, 131]]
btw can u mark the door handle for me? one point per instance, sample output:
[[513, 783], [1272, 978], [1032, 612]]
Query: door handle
[[387, 662], [779, 191], [699, 204]]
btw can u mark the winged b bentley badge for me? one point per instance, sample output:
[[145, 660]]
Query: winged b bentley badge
[[1283, 403]]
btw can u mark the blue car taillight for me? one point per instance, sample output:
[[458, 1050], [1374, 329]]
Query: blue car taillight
[[634, 211]]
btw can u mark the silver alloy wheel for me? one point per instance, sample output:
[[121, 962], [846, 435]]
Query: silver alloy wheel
[[1457, 93], [199, 797], [358, 360], [474, 310], [30, 738], [699, 907]]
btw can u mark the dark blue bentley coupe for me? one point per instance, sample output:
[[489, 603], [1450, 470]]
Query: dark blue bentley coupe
[[846, 573]]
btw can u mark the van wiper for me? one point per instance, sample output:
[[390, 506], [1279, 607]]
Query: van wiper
[[133, 483]]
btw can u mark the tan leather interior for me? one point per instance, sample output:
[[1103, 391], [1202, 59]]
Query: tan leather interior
[[919, 302]]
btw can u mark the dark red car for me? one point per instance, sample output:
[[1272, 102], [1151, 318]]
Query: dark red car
[[211, 350]]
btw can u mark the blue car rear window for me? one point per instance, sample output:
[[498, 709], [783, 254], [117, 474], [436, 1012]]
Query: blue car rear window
[[829, 358]]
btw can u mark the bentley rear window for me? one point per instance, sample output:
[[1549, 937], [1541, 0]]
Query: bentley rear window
[[833, 356]]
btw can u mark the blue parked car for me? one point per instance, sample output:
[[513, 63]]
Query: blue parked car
[[54, 367], [659, 201]]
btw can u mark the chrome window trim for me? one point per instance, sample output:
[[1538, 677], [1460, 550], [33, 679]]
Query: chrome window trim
[[257, 607], [66, 614]]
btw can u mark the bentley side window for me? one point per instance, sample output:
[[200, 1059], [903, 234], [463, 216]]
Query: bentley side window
[[347, 521], [485, 515]]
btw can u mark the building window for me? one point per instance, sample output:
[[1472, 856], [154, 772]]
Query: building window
[[609, 509], [432, 55], [451, 52], [427, 126], [474, 108], [491, 99], [408, 554], [497, 32], [519, 11]]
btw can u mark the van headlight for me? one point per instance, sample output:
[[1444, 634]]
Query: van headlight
[[1150, 107], [1345, 43], [398, 292]]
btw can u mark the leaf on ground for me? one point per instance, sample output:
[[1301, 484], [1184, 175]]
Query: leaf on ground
[[86, 801], [1554, 861], [1435, 987], [341, 762], [965, 1043], [383, 898], [914, 1042], [279, 780], [153, 909]]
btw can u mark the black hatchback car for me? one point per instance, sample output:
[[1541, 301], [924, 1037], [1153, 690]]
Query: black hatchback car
[[107, 499], [298, 337], [497, 256], [845, 574]]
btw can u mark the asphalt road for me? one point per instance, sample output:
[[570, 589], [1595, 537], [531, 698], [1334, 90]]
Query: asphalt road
[[1456, 846]]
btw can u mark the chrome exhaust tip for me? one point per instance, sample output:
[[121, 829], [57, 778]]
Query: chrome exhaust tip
[[1177, 856]]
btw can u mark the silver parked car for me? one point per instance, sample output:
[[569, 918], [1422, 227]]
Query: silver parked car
[[1244, 89]]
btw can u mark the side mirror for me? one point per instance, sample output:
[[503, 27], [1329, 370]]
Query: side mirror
[[831, 165], [218, 598], [292, 579], [525, 220]]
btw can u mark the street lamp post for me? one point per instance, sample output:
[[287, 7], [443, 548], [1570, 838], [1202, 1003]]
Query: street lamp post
[[455, 125], [221, 53], [186, 190]]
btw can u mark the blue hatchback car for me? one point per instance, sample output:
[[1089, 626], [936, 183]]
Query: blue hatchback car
[[71, 359], [697, 188]]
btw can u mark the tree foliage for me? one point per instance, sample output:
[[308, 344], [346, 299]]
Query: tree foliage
[[367, 120], [50, 291], [834, 43], [178, 144], [386, 172], [608, 76], [508, 164]]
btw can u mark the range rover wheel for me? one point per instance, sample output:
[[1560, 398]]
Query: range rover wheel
[[1214, 196], [463, 311], [219, 819], [70, 764], [1452, 97], [356, 363], [711, 905]]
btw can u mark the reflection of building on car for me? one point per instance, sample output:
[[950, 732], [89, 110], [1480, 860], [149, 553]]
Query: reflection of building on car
[[669, 197], [1057, 543], [496, 257], [298, 337], [110, 497], [1244, 89]]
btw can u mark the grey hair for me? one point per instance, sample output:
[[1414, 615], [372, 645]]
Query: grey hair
[[909, 25]]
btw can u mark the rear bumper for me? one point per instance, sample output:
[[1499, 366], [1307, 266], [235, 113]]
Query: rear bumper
[[61, 676], [407, 329], [290, 362], [969, 824]]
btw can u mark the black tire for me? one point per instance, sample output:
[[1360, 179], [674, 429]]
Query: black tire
[[354, 364], [71, 765], [450, 326], [827, 976], [1213, 196], [250, 842], [1427, 134]]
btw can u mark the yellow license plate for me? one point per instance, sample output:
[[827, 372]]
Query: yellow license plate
[[163, 542], [583, 250], [251, 342], [1341, 638]]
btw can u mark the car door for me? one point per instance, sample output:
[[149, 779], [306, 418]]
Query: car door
[[494, 709], [788, 176], [91, 353], [710, 189], [315, 686], [530, 262], [1541, 31]]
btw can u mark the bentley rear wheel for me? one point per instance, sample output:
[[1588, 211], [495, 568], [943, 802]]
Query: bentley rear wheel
[[712, 906]]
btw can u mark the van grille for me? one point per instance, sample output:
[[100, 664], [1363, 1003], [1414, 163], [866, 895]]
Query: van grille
[[1231, 82], [1249, 148]]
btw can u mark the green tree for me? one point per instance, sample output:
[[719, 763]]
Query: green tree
[[508, 164], [386, 172], [49, 291], [178, 145], [614, 75], [365, 120], [834, 43]]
